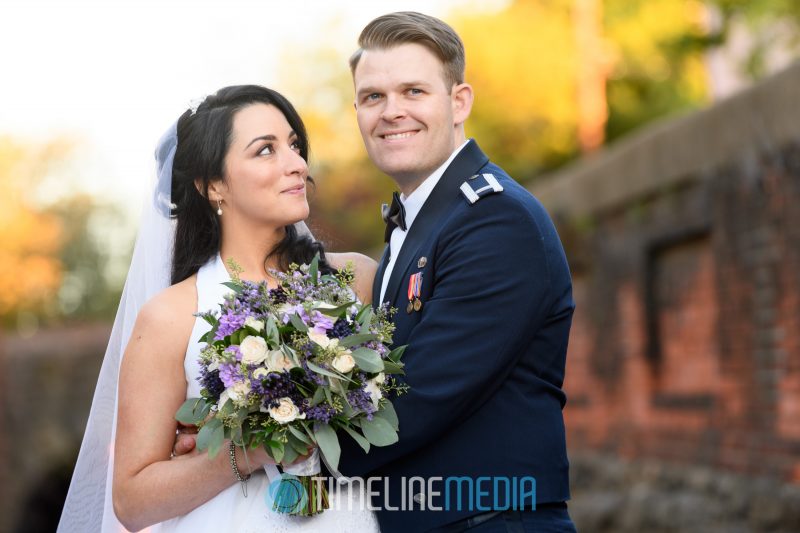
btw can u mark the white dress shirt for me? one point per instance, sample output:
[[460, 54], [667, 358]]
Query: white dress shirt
[[412, 204]]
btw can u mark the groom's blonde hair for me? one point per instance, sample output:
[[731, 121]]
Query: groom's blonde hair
[[394, 29]]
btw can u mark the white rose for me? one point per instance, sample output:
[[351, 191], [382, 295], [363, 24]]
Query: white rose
[[260, 373], [374, 390], [283, 310], [278, 362], [254, 349], [344, 363], [214, 365], [286, 412], [251, 322], [223, 399], [239, 391], [322, 340]]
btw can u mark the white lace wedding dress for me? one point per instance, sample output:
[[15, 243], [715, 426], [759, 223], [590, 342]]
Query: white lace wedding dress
[[230, 511]]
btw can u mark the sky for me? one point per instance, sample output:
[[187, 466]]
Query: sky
[[115, 74]]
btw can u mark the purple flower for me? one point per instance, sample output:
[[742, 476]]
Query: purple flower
[[276, 386], [341, 329], [228, 323], [210, 381], [360, 400], [234, 350], [322, 323], [322, 412], [298, 309], [230, 374]]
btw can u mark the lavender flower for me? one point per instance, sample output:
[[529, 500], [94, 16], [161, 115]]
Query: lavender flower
[[229, 322], [340, 329], [322, 412], [360, 400], [210, 381], [230, 374]]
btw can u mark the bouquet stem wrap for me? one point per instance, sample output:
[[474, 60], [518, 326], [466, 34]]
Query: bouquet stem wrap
[[301, 490]]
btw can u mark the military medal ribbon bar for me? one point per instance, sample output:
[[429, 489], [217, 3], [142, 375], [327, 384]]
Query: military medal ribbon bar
[[414, 290]]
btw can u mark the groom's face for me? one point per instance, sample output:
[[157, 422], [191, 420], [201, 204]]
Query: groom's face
[[406, 112]]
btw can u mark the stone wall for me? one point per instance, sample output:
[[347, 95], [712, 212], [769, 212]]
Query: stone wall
[[613, 495], [48, 383]]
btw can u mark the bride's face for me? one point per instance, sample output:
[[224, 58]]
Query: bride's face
[[265, 176]]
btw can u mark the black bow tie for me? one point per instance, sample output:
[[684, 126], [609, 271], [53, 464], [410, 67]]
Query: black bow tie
[[394, 216]]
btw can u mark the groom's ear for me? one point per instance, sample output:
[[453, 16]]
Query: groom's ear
[[461, 97]]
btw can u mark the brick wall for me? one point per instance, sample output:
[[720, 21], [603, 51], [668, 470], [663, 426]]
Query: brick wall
[[685, 246]]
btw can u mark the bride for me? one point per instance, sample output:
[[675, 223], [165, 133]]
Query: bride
[[231, 184]]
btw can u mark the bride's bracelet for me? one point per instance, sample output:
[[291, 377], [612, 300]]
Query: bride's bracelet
[[234, 467]]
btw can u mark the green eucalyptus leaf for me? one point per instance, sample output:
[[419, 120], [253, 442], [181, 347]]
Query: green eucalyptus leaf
[[320, 370], [313, 269], [379, 432], [299, 434], [358, 338], [390, 367], [347, 409], [193, 411], [368, 360], [388, 413], [328, 444], [297, 445], [227, 409], [236, 436], [275, 450], [363, 442], [335, 311], [208, 434], [289, 454], [271, 329], [397, 353], [319, 396], [235, 287], [297, 322], [365, 315]]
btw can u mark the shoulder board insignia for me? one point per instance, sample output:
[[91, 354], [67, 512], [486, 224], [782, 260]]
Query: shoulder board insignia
[[480, 185]]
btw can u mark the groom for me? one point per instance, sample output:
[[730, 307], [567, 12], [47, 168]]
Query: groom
[[483, 291]]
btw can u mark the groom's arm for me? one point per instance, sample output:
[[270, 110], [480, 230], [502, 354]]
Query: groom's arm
[[499, 270]]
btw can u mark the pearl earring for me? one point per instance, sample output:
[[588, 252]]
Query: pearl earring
[[219, 207]]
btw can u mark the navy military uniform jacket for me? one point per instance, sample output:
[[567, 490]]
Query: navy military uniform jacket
[[485, 358]]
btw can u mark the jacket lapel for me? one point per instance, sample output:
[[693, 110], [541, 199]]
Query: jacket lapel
[[466, 163], [378, 281]]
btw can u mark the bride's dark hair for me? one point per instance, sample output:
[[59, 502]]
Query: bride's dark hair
[[204, 137]]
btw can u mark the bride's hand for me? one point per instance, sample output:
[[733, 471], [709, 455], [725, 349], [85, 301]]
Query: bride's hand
[[185, 441]]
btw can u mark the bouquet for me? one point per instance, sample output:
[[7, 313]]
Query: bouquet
[[293, 367]]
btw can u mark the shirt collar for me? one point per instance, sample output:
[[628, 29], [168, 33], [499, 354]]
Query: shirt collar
[[413, 202]]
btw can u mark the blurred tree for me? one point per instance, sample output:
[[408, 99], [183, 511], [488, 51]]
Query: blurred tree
[[522, 62], [30, 267], [53, 264], [772, 25], [86, 290], [656, 72]]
